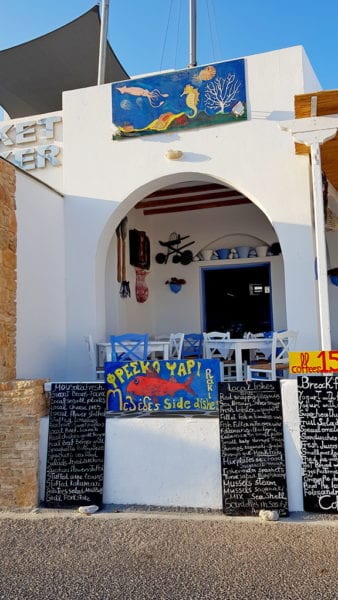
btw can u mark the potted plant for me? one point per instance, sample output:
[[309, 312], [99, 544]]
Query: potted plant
[[175, 284]]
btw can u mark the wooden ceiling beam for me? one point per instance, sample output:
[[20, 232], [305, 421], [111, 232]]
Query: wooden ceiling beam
[[327, 104], [221, 194], [201, 206], [209, 187]]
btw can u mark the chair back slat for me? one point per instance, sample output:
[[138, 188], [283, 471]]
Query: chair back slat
[[215, 347], [129, 346], [192, 345], [176, 345]]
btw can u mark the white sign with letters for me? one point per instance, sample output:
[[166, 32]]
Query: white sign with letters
[[33, 132]]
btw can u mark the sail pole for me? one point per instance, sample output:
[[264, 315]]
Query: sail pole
[[192, 21], [103, 42]]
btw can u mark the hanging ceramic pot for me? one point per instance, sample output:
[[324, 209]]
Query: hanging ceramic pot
[[175, 284], [175, 287]]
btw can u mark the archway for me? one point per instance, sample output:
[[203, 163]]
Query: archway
[[204, 211]]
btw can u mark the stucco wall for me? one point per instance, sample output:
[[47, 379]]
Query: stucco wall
[[41, 293]]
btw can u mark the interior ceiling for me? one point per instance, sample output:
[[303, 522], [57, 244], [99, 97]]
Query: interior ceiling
[[190, 196], [327, 104]]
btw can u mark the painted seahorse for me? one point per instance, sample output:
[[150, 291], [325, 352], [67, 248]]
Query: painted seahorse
[[152, 95], [191, 100]]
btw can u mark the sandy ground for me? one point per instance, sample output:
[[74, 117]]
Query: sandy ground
[[63, 555]]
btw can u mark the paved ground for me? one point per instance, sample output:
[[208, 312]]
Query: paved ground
[[61, 555]]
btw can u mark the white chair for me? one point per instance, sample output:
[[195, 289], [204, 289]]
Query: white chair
[[97, 371], [261, 354], [214, 347], [176, 345], [277, 365]]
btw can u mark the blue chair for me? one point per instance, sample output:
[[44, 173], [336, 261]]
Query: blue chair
[[192, 345], [129, 346]]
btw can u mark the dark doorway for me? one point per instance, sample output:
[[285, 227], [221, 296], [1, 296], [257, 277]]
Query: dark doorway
[[237, 299]]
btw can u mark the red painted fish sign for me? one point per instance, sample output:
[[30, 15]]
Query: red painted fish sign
[[162, 386]]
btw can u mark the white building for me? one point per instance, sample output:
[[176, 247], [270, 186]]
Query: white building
[[67, 285]]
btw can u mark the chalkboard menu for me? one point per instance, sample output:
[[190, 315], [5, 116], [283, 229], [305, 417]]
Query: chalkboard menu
[[75, 456], [252, 448], [318, 412]]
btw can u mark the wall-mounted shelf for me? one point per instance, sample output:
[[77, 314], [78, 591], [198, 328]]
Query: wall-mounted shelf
[[236, 261]]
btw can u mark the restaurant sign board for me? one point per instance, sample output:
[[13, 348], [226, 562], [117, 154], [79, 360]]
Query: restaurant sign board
[[162, 386], [319, 361]]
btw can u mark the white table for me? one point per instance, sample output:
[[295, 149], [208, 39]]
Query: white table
[[238, 344], [104, 350]]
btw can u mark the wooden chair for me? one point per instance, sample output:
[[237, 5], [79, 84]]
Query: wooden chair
[[215, 348], [192, 345], [129, 346], [176, 345], [278, 363]]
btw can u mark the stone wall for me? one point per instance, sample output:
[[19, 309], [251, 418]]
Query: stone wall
[[7, 271], [22, 403]]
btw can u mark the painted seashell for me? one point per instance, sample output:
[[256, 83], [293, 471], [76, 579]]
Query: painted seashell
[[173, 154]]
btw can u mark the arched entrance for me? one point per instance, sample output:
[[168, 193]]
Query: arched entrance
[[204, 214]]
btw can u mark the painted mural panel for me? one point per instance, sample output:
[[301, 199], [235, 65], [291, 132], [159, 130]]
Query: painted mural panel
[[162, 386], [194, 97]]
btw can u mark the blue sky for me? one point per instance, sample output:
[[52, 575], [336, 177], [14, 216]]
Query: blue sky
[[151, 35]]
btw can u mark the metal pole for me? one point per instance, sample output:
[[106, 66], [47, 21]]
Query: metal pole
[[103, 42], [192, 21], [318, 207]]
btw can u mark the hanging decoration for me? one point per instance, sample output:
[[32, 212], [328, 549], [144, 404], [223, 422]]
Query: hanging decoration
[[121, 235], [139, 249], [141, 289], [175, 284], [174, 249], [139, 257]]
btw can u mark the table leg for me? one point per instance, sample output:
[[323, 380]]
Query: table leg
[[239, 367]]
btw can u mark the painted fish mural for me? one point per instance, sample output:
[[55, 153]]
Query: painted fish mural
[[160, 386], [156, 387], [199, 96]]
